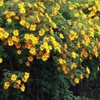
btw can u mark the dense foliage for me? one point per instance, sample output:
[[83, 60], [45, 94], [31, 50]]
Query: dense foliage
[[47, 47]]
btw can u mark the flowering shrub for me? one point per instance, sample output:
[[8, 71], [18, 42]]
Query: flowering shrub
[[66, 33], [83, 37]]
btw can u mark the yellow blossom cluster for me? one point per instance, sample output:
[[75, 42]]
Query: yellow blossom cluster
[[28, 31], [38, 30], [16, 81], [83, 32]]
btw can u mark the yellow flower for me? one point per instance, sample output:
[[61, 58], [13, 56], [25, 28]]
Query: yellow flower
[[1, 60], [22, 87], [35, 5], [84, 16], [21, 5], [22, 10], [27, 25], [32, 27], [32, 51], [80, 25], [76, 14], [15, 32], [45, 56], [16, 0], [19, 52], [74, 55], [18, 45], [91, 32], [55, 10], [51, 30], [72, 76], [15, 39], [1, 29], [73, 35], [10, 42], [98, 68], [6, 85], [61, 36], [13, 77], [65, 46], [94, 9], [18, 82], [27, 36], [81, 76], [88, 70], [5, 35], [9, 20], [27, 63], [27, 75], [76, 80], [83, 32], [22, 22], [30, 58], [1, 2], [41, 32], [74, 65], [30, 5], [84, 53], [62, 61], [24, 79], [53, 25], [41, 4], [5, 12], [71, 6]]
